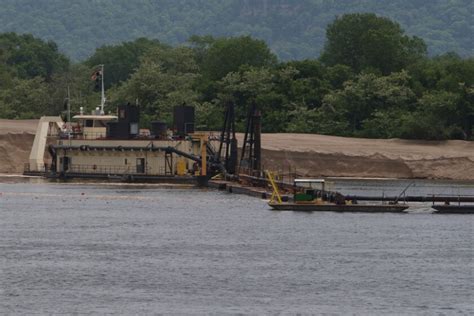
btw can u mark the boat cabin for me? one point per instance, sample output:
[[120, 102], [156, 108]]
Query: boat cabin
[[312, 184], [308, 190], [91, 126]]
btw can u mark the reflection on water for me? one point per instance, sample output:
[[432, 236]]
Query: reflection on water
[[102, 248]]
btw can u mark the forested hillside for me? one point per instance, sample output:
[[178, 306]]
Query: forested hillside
[[293, 29]]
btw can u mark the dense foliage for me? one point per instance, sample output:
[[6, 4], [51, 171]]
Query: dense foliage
[[30, 57], [365, 41], [293, 29], [387, 87]]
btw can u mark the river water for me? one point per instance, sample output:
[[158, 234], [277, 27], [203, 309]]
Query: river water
[[131, 249]]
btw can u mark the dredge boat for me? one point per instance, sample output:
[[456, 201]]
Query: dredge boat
[[96, 145], [310, 195], [113, 147]]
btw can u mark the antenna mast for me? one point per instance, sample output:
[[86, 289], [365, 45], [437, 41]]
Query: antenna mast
[[102, 99], [68, 111]]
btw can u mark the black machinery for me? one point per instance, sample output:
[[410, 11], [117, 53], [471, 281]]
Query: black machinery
[[127, 125], [228, 141], [251, 157], [250, 160], [183, 120], [159, 130]]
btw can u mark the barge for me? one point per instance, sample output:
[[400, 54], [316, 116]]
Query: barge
[[311, 195], [114, 147]]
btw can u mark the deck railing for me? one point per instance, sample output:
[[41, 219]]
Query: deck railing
[[93, 136], [82, 136], [114, 170]]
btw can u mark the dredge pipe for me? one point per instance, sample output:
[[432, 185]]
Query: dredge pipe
[[428, 198], [197, 159]]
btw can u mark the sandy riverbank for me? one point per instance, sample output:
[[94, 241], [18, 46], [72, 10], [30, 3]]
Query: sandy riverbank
[[318, 155], [309, 155]]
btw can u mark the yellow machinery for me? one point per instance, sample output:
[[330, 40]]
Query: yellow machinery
[[275, 192], [181, 167]]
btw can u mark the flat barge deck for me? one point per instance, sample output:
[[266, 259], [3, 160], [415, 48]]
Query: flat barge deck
[[352, 208]]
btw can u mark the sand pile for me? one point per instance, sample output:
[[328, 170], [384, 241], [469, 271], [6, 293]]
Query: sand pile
[[309, 155], [318, 155], [18, 126], [16, 139], [14, 151]]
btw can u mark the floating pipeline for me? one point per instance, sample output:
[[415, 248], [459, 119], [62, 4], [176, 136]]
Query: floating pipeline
[[432, 198]]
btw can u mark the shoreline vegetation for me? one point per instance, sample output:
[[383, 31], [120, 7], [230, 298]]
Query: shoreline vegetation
[[309, 154]]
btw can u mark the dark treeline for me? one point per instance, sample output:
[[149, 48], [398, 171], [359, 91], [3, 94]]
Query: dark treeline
[[371, 80]]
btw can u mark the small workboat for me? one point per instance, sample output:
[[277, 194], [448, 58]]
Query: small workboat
[[311, 195], [453, 209]]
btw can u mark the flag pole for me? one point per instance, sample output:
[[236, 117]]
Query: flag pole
[[68, 109], [69, 127], [102, 101]]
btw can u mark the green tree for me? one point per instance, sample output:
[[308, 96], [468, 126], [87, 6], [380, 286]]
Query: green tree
[[434, 118], [368, 94], [227, 55], [303, 82], [366, 41], [26, 99], [465, 112], [445, 82], [209, 116], [31, 57], [200, 45], [443, 72], [338, 74], [302, 120]]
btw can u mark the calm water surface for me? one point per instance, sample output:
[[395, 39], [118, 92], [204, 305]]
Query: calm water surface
[[95, 248]]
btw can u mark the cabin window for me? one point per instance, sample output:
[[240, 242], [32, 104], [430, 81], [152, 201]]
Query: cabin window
[[126, 161], [100, 124], [134, 128], [89, 123]]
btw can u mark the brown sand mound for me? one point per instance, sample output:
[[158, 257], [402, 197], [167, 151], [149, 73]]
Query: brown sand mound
[[14, 151], [18, 126], [312, 164], [318, 155]]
